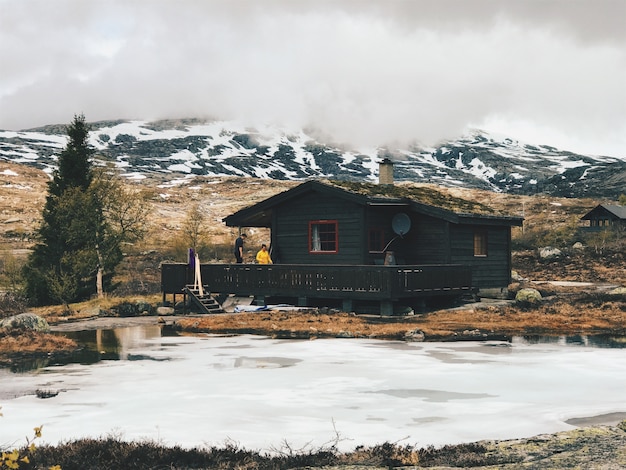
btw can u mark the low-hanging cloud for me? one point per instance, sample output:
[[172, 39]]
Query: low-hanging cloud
[[363, 72]]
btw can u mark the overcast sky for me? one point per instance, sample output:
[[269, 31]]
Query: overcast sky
[[366, 72]]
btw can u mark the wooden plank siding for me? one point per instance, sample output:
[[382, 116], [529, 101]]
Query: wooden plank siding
[[427, 242], [379, 218], [291, 230], [487, 271]]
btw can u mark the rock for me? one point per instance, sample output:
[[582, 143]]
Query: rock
[[618, 291], [344, 334], [472, 333], [528, 295], [578, 246], [143, 308], [549, 252], [126, 310], [414, 335], [516, 277], [165, 311], [25, 321]]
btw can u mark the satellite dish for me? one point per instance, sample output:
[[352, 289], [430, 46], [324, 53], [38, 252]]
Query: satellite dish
[[401, 223]]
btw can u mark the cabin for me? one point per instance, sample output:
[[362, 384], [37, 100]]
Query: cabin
[[605, 216], [364, 244]]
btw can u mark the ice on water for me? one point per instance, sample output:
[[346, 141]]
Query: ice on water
[[259, 392]]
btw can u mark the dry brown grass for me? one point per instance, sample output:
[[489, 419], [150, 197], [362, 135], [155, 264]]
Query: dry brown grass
[[92, 308], [554, 318], [34, 342], [558, 317]]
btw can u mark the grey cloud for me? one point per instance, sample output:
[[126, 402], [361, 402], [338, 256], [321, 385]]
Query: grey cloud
[[366, 72]]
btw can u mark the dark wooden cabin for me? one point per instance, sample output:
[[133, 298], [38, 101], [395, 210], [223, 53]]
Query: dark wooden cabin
[[345, 223], [605, 216], [361, 244]]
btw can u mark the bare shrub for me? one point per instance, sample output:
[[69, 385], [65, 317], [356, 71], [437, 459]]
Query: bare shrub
[[11, 304]]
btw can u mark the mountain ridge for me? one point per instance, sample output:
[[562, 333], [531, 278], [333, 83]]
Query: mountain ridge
[[179, 149]]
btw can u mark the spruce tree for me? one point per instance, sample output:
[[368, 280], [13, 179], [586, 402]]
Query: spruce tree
[[87, 217], [63, 264]]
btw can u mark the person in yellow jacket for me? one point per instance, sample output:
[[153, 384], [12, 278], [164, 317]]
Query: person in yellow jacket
[[263, 256]]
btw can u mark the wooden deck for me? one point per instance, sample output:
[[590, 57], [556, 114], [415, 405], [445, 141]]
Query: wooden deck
[[385, 284]]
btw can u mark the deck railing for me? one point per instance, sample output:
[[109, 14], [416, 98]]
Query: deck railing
[[323, 281]]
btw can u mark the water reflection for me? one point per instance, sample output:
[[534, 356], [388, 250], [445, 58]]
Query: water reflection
[[115, 344], [99, 345], [598, 341]]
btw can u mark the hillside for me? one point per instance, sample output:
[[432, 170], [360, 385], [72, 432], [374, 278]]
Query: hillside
[[548, 220]]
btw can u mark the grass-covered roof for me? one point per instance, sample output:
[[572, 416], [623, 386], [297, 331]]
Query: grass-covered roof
[[419, 194]]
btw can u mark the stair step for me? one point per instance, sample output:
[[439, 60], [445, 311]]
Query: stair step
[[206, 302]]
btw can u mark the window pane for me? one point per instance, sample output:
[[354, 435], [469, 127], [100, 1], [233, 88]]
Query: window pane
[[480, 243], [323, 236], [376, 240]]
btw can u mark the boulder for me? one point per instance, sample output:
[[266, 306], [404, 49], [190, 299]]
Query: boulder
[[578, 246], [618, 291], [165, 310], [414, 335], [528, 295], [125, 309], [143, 308], [549, 252], [25, 321]]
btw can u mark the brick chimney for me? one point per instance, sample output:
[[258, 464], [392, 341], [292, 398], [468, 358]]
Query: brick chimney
[[385, 172]]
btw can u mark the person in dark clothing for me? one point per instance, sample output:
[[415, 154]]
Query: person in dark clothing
[[239, 248]]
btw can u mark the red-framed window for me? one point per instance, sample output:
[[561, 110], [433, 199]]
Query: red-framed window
[[376, 240], [480, 243], [323, 236]]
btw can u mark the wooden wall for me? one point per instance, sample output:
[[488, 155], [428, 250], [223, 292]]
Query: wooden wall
[[429, 241], [290, 230], [425, 243], [493, 270]]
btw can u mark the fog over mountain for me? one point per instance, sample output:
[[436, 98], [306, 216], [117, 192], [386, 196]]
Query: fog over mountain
[[366, 72], [175, 151]]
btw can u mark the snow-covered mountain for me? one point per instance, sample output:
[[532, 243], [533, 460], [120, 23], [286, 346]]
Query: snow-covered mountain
[[176, 150]]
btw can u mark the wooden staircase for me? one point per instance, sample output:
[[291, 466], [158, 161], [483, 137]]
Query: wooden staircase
[[205, 303]]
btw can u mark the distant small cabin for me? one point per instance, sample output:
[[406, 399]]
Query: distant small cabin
[[605, 216], [348, 223]]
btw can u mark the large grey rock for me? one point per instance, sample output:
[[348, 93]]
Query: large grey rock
[[549, 252], [25, 321], [165, 310], [528, 295]]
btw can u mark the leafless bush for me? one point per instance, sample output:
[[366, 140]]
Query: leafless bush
[[11, 304]]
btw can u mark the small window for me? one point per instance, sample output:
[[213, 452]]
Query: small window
[[323, 236], [480, 243], [376, 240]]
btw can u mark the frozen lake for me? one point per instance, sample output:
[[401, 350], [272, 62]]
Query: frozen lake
[[259, 392]]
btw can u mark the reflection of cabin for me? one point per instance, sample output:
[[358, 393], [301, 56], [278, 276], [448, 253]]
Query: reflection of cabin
[[605, 216], [363, 242]]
